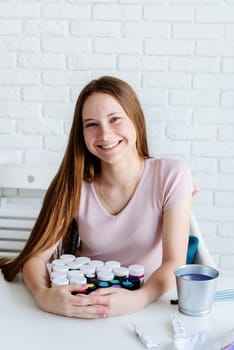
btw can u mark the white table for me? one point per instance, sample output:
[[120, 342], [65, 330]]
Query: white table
[[24, 326]]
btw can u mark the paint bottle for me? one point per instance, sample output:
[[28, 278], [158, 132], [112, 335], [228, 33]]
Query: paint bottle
[[136, 275], [121, 273], [102, 284], [59, 282], [105, 276], [88, 269], [90, 273], [57, 262], [58, 274], [74, 265], [83, 260], [128, 285], [112, 264], [78, 280], [115, 283], [81, 280], [67, 258], [91, 278], [91, 287], [103, 269], [61, 268], [96, 263], [74, 273]]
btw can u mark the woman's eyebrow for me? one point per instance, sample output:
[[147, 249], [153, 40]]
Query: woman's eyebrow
[[88, 119], [113, 113], [85, 119]]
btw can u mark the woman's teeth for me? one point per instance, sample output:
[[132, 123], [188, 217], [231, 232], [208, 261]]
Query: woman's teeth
[[112, 145]]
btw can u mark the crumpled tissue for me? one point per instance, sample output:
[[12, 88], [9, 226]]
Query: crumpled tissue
[[202, 341]]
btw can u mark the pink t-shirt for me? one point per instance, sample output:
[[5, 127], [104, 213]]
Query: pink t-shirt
[[134, 235]]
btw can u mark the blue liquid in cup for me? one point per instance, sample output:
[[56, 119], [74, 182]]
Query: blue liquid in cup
[[196, 277]]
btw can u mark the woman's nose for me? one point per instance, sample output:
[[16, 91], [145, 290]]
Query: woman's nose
[[105, 129]]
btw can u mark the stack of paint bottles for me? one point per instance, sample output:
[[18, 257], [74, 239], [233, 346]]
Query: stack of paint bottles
[[69, 269]]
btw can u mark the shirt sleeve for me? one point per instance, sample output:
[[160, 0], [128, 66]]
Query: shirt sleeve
[[177, 182]]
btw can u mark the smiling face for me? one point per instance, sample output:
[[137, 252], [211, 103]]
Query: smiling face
[[109, 133]]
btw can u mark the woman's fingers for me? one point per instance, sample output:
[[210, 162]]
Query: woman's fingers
[[101, 303], [87, 306], [89, 311], [88, 300], [81, 305], [76, 288], [59, 300], [104, 291]]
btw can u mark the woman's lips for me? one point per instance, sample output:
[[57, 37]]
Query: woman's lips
[[110, 146]]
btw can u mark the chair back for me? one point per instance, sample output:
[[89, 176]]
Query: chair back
[[203, 255], [22, 190]]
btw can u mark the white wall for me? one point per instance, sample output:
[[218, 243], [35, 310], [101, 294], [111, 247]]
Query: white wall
[[179, 57]]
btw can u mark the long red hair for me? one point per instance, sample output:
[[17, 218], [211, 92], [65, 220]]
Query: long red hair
[[62, 198]]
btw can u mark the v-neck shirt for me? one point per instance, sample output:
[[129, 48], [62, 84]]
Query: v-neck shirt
[[134, 235]]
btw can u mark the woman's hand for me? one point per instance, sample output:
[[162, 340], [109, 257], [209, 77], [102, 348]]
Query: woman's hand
[[119, 301], [60, 300], [104, 302]]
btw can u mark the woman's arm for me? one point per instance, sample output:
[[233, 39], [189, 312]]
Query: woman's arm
[[174, 244], [58, 300], [35, 272]]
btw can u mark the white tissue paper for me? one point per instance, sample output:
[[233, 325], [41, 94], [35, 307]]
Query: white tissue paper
[[202, 341], [194, 342]]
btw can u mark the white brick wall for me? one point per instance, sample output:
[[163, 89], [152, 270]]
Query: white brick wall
[[177, 54]]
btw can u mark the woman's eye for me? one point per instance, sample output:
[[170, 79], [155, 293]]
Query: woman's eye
[[114, 119], [90, 125]]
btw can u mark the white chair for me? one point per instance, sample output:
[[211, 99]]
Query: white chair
[[21, 192], [203, 255]]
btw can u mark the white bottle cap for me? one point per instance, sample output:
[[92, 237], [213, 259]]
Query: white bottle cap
[[57, 262], [96, 263], [59, 282], [58, 274], [105, 276], [74, 265], [112, 263], [83, 260], [62, 268], [67, 258], [87, 269], [104, 269], [121, 271], [136, 270], [78, 280], [75, 273]]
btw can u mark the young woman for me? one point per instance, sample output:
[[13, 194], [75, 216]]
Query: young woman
[[128, 207]]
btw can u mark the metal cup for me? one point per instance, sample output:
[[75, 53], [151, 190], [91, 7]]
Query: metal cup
[[196, 286]]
